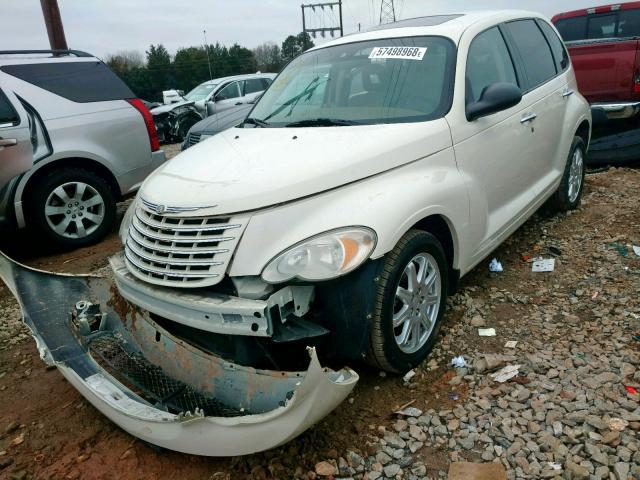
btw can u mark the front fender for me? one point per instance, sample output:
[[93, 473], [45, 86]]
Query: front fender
[[390, 203]]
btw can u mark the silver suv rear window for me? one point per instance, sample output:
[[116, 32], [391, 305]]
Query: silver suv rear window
[[80, 82]]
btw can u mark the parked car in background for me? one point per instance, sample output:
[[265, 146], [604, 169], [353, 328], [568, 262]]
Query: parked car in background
[[216, 123], [173, 121], [375, 171], [604, 45], [89, 140]]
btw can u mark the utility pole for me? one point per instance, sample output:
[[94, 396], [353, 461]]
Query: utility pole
[[387, 12], [331, 30], [53, 22], [206, 49]]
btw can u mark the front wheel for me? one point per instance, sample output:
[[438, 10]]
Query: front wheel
[[567, 196], [410, 303]]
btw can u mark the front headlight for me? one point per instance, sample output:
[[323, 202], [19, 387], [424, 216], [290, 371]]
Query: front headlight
[[325, 256], [126, 221]]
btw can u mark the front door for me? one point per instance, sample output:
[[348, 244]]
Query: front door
[[494, 152], [227, 97], [16, 152]]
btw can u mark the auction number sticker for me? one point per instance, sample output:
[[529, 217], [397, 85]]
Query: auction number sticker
[[404, 53]]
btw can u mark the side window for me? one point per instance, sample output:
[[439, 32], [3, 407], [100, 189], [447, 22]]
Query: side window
[[557, 47], [230, 91], [8, 116], [602, 26], [252, 85], [629, 23], [534, 51], [572, 29], [488, 62], [265, 83]]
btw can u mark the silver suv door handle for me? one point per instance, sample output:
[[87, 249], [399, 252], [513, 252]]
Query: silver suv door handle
[[8, 142], [529, 117], [567, 92]]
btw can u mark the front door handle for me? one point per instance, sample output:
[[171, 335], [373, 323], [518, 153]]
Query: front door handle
[[8, 142], [529, 117], [567, 92]]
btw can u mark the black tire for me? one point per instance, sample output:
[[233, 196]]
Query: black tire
[[184, 125], [384, 351], [561, 200], [102, 218]]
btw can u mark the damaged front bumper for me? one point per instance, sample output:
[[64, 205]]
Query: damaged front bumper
[[158, 387]]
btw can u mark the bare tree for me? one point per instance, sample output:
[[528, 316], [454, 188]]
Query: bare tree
[[268, 58], [125, 60]]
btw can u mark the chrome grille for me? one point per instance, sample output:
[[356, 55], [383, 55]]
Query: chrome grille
[[193, 138], [180, 251]]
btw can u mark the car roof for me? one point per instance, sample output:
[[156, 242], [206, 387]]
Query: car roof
[[238, 77], [583, 12], [17, 57], [450, 26]]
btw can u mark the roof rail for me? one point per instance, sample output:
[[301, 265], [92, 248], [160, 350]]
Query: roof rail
[[55, 53]]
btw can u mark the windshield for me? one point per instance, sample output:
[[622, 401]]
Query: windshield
[[407, 79], [200, 92]]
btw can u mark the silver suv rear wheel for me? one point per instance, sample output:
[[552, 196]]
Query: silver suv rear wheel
[[74, 210]]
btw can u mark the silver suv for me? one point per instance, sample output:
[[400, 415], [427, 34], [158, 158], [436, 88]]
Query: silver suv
[[89, 140]]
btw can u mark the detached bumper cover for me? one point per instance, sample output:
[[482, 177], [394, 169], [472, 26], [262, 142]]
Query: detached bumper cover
[[185, 399]]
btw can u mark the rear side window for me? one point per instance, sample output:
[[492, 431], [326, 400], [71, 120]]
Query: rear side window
[[488, 62], [572, 29], [602, 26], [253, 85], [81, 82], [8, 116], [534, 51], [629, 23], [560, 55]]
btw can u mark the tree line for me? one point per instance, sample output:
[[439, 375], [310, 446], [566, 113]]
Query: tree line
[[157, 70]]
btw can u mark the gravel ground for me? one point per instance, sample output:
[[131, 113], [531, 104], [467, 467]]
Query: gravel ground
[[565, 414]]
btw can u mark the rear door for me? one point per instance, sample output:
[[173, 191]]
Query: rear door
[[545, 66], [252, 88], [16, 151]]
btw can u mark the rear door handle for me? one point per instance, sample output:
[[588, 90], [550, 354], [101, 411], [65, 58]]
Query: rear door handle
[[529, 117], [567, 92], [8, 142]]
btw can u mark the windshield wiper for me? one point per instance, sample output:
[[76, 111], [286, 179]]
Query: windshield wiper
[[257, 122], [322, 122]]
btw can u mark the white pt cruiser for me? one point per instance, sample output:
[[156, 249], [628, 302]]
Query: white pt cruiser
[[375, 171]]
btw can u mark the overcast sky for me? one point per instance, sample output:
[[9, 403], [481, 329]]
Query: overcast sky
[[107, 26]]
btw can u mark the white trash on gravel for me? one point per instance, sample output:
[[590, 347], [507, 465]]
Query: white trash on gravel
[[495, 265], [487, 332], [505, 373], [544, 265]]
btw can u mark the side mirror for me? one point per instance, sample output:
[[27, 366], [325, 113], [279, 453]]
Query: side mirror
[[494, 98]]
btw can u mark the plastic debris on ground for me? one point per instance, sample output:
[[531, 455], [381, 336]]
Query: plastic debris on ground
[[622, 249], [409, 412], [495, 266], [458, 362], [636, 250], [511, 344], [453, 395], [633, 392], [595, 295], [555, 251], [505, 373], [476, 471], [487, 332], [409, 375], [554, 466], [544, 265]]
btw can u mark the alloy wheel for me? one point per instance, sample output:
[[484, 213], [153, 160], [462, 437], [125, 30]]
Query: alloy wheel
[[74, 210]]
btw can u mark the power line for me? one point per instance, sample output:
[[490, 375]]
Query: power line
[[320, 13]]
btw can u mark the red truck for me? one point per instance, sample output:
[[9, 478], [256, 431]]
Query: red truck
[[604, 45]]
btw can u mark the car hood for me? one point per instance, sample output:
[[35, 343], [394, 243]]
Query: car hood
[[223, 120], [248, 168], [168, 108]]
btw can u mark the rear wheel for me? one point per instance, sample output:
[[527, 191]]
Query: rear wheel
[[567, 196], [410, 303], [73, 207]]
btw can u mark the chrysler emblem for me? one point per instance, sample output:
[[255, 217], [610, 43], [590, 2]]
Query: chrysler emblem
[[160, 209]]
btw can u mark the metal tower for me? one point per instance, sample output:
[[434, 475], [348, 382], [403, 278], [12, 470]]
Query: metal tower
[[387, 12]]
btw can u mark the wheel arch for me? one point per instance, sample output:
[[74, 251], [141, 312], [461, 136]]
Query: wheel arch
[[584, 131], [67, 162], [440, 227]]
